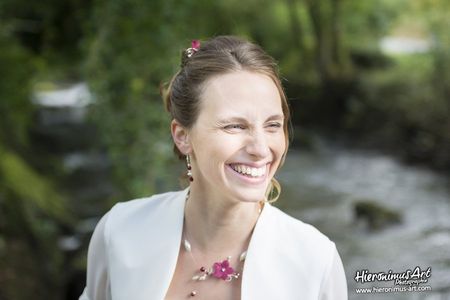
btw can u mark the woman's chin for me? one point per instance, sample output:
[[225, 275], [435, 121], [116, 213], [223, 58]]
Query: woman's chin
[[249, 195]]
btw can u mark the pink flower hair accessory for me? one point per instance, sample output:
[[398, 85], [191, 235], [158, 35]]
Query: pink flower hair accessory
[[195, 45]]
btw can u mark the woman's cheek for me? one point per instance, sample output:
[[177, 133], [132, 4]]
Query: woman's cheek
[[279, 141]]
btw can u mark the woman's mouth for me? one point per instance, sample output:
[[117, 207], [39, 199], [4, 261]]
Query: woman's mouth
[[251, 172]]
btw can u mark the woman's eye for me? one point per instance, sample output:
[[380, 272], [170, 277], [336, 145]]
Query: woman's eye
[[275, 125], [234, 126]]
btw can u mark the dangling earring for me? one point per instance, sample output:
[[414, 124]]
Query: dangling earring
[[273, 192], [189, 168]]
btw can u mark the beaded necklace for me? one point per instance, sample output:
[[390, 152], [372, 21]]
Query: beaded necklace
[[219, 270]]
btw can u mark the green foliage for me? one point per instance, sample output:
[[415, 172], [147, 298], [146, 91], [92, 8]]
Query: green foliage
[[407, 104], [39, 192], [50, 28], [137, 46], [17, 116], [365, 22], [15, 71], [31, 208]]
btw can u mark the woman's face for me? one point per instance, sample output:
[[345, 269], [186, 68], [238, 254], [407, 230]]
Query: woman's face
[[238, 140]]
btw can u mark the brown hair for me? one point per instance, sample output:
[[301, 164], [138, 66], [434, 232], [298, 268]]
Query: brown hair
[[220, 55]]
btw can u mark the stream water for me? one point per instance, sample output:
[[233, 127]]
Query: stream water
[[321, 187]]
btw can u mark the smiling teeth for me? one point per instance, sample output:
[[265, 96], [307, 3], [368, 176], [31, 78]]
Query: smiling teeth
[[249, 171]]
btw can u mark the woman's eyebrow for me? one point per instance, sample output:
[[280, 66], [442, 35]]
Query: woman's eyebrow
[[276, 117], [232, 120]]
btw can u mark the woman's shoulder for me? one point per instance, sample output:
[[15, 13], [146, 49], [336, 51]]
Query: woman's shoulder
[[137, 211], [150, 202], [299, 233], [296, 253]]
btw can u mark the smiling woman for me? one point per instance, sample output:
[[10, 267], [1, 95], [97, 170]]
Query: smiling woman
[[238, 133], [219, 238]]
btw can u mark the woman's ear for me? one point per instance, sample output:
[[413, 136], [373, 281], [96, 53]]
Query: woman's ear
[[180, 137]]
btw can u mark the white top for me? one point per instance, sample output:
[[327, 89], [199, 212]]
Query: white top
[[134, 249]]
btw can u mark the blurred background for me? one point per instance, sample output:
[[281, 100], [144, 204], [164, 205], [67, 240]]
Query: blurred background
[[82, 126]]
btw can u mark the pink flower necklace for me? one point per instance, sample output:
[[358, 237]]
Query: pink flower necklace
[[219, 270]]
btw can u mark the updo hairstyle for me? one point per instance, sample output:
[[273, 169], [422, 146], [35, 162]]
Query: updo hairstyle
[[217, 56]]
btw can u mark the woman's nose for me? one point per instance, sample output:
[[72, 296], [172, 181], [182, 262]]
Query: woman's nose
[[258, 145]]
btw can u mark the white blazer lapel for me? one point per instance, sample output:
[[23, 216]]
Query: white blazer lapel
[[268, 270], [261, 269], [286, 259], [145, 246]]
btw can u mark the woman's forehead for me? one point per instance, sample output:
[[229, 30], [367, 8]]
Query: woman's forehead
[[240, 91]]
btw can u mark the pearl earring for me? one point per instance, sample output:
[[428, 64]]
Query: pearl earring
[[189, 168]]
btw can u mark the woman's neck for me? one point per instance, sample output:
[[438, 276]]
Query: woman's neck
[[215, 224]]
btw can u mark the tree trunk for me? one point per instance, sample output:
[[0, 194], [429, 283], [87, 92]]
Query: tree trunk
[[321, 47], [336, 50], [296, 26]]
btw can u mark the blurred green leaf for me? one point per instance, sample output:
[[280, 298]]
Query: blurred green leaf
[[30, 187]]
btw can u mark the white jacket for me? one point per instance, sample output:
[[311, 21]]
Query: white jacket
[[133, 254]]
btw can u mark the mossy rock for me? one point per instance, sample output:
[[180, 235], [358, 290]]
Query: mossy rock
[[375, 215]]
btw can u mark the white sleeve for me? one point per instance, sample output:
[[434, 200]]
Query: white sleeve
[[334, 286], [97, 279]]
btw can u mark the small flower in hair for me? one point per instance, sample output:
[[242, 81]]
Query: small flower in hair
[[195, 45]]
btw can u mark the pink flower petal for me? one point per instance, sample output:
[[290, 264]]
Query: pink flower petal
[[195, 44], [229, 271], [217, 270], [225, 264]]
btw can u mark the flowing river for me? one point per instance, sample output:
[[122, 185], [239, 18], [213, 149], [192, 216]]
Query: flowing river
[[321, 187]]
